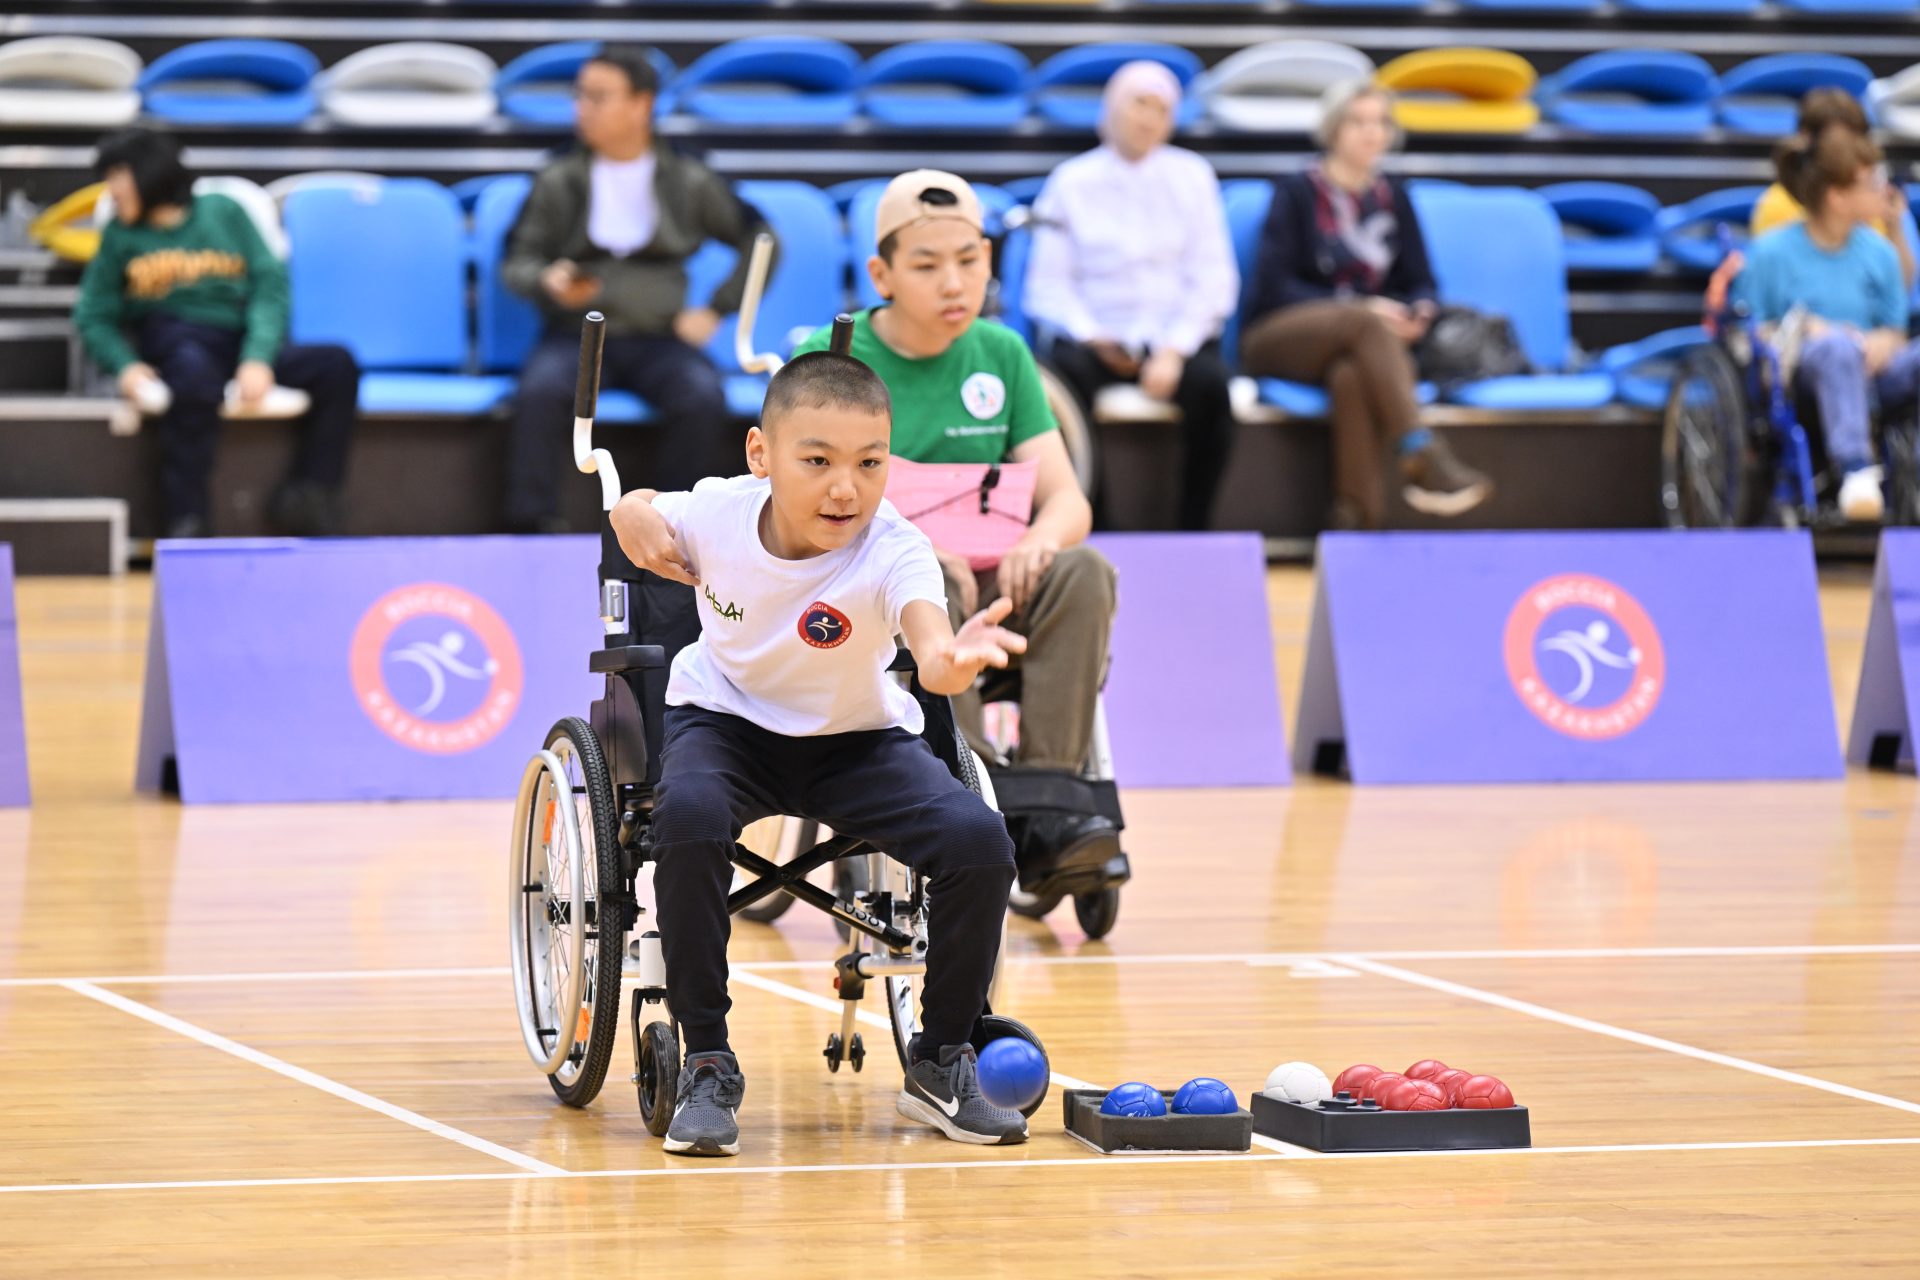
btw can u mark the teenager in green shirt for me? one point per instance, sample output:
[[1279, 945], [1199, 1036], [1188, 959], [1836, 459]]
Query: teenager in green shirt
[[184, 297], [967, 390]]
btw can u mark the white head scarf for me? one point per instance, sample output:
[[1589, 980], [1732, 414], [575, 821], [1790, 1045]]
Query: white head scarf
[[1135, 79]]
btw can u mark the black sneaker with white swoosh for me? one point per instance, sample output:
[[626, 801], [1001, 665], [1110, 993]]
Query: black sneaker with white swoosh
[[945, 1093]]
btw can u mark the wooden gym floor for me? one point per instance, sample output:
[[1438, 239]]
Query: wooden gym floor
[[280, 1041]]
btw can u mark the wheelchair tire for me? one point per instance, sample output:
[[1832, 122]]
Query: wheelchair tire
[[1076, 431], [1032, 906], [1900, 449], [580, 1076], [994, 1026], [657, 1068], [1709, 465], [1097, 912]]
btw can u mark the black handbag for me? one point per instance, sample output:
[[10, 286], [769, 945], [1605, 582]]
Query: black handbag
[[1464, 345]]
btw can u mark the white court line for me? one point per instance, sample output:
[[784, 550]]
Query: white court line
[[346, 1093], [1621, 1033], [1257, 958], [717, 1169]]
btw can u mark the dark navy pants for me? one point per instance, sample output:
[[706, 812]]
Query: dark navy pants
[[196, 361], [720, 772], [697, 434]]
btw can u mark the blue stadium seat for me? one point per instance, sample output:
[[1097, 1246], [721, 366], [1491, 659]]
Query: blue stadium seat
[[1632, 91], [1606, 226], [247, 82], [1690, 232], [1763, 96], [1846, 7], [863, 206], [1067, 86], [1498, 250], [1643, 371], [1534, 6], [537, 86], [771, 80], [1682, 7], [382, 270], [1024, 190], [806, 290], [952, 84]]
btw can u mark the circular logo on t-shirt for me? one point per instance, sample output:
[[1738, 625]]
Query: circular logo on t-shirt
[[1585, 657], [436, 668], [824, 627], [983, 394]]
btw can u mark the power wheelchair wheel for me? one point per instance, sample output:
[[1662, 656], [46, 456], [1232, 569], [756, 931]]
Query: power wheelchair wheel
[[1097, 912], [567, 914], [1032, 906], [1709, 466]]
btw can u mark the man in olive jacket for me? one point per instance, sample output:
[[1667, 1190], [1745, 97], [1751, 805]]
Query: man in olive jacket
[[609, 228]]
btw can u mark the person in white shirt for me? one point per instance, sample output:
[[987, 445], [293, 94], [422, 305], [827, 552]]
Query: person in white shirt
[[1132, 277], [806, 575]]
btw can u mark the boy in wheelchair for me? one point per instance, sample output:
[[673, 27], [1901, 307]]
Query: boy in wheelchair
[[784, 706], [1829, 294]]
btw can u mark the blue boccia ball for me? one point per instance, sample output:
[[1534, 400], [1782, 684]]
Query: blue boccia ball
[[1205, 1096], [1134, 1099], [1013, 1073]]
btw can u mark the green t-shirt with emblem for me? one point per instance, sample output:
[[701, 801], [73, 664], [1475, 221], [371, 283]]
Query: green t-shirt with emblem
[[974, 402]]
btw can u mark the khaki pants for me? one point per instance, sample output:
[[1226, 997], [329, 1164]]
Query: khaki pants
[[1067, 624], [1346, 348]]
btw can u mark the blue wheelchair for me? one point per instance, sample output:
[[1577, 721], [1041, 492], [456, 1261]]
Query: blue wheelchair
[[1736, 452], [580, 917]]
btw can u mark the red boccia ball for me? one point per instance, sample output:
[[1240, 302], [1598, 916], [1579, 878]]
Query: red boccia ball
[[1377, 1086], [1355, 1078], [1450, 1081], [1425, 1069], [1415, 1095], [1483, 1093]]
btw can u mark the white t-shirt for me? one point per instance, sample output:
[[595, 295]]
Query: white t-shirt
[[798, 647], [623, 213]]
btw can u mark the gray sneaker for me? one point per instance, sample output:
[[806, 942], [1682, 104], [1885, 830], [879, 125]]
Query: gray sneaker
[[946, 1094], [711, 1087]]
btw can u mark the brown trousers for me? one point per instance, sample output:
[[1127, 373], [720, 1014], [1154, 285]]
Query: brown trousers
[[1067, 624], [1346, 348]]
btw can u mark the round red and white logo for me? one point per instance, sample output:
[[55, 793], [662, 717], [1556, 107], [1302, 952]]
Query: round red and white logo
[[824, 627], [1585, 657], [436, 668]]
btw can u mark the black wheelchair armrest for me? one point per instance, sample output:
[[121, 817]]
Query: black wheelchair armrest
[[903, 661], [631, 657]]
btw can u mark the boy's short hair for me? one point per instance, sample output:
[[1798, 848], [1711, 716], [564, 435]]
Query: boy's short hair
[[825, 380], [631, 61], [153, 160]]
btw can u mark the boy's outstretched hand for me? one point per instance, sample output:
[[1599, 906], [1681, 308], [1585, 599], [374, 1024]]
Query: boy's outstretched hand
[[648, 539], [951, 661]]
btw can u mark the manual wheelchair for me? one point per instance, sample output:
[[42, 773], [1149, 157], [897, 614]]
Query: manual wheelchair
[[1736, 451], [579, 853]]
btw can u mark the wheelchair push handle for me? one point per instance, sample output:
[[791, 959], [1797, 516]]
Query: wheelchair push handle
[[586, 397], [841, 343], [759, 266], [593, 344]]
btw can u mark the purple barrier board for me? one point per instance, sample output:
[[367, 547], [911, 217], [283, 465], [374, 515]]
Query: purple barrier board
[[1552, 657], [1886, 710], [387, 669], [1191, 697], [14, 792]]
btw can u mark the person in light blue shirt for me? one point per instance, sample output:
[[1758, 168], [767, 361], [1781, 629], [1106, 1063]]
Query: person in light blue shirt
[[1838, 281]]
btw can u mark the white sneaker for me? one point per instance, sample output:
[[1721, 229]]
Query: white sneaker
[[1860, 497]]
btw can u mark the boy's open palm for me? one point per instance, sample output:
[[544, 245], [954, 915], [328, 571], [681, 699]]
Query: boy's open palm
[[983, 642]]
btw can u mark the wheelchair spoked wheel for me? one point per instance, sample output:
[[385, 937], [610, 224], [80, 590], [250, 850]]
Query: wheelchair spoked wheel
[[1708, 471], [567, 917], [1076, 432]]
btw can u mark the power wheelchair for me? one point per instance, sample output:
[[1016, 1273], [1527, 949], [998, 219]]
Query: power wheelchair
[[579, 854], [1736, 450]]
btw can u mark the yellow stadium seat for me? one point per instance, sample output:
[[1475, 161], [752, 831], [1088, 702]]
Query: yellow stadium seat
[[1462, 90]]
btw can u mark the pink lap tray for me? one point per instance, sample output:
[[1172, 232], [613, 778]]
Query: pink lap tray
[[971, 509]]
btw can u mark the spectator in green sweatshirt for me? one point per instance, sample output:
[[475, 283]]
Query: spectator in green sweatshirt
[[184, 300]]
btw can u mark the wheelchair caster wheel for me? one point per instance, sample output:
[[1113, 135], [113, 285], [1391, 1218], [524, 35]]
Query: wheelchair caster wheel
[[1097, 912], [858, 1054], [657, 1076]]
